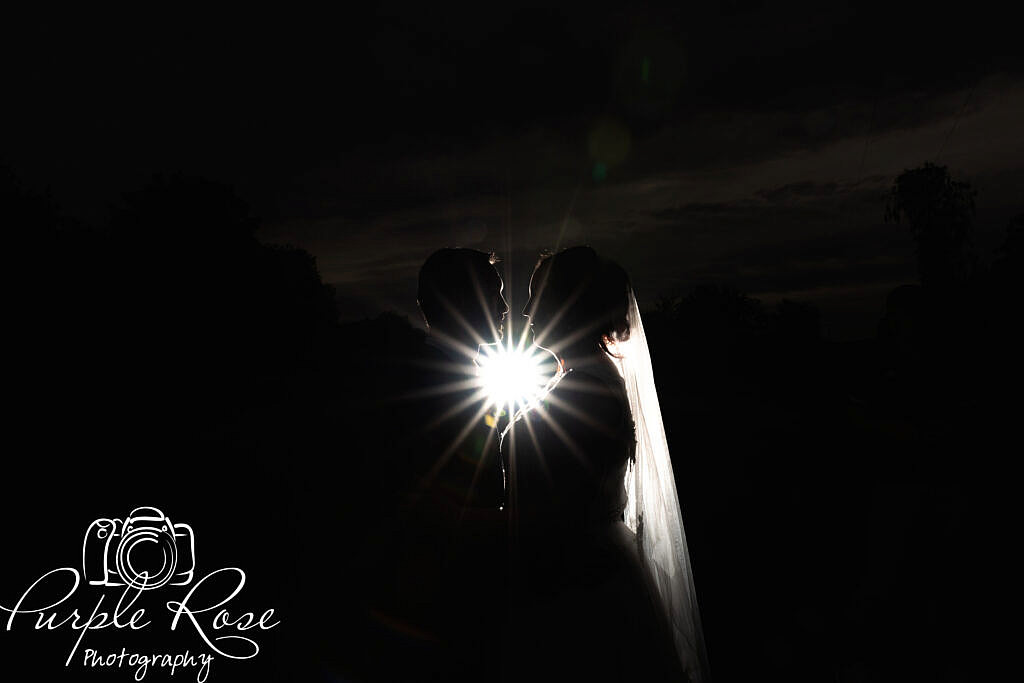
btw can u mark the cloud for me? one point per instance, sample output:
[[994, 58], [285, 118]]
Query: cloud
[[796, 191], [732, 199]]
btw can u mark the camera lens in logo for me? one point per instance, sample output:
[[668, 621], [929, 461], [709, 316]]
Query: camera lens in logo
[[146, 557]]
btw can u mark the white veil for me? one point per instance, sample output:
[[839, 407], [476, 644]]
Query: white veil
[[652, 509]]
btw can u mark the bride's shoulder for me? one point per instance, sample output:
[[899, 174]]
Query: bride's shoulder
[[590, 409], [597, 377], [595, 390]]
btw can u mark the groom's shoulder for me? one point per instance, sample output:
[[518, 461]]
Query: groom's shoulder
[[433, 378]]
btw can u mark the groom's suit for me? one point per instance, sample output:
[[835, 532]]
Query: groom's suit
[[453, 542], [454, 443]]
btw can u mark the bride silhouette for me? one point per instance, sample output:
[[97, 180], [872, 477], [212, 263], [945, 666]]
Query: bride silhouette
[[600, 588]]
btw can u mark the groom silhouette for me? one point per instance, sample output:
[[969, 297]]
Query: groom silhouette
[[460, 296], [451, 541]]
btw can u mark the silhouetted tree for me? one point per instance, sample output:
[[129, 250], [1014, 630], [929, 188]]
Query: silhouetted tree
[[998, 302], [178, 209], [1008, 268], [720, 312], [193, 299], [940, 212], [796, 322]]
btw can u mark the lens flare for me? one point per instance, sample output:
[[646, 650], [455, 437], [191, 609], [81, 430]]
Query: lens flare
[[516, 378]]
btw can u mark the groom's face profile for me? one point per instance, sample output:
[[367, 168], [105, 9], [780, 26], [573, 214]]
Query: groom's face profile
[[461, 296], [497, 307], [500, 308], [486, 311]]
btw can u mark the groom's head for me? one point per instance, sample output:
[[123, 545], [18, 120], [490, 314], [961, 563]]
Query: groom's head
[[460, 296]]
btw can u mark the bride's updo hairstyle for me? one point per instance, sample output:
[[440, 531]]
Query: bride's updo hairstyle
[[579, 300]]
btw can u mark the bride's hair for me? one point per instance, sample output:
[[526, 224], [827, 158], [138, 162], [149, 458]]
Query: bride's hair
[[594, 292]]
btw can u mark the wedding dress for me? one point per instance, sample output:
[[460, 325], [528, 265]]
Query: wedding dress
[[605, 583], [652, 510]]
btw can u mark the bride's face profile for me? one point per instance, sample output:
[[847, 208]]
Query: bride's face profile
[[578, 302], [535, 312]]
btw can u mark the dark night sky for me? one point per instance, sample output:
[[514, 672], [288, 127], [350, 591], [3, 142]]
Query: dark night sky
[[742, 142]]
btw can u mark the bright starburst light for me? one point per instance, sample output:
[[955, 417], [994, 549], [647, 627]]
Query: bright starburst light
[[516, 378]]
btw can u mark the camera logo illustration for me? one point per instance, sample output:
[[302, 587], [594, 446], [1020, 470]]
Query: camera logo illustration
[[145, 551]]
